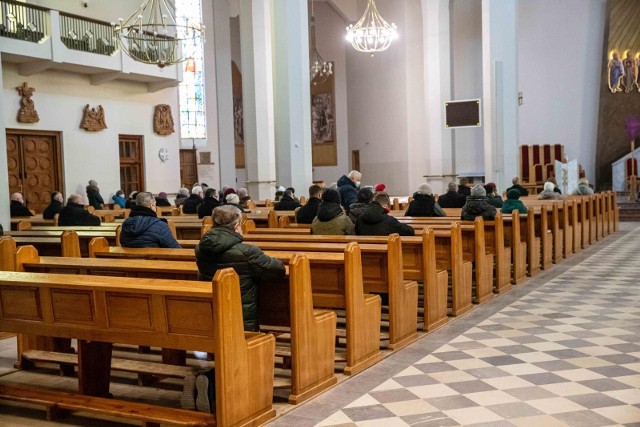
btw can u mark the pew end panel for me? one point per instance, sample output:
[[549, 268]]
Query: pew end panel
[[435, 284]]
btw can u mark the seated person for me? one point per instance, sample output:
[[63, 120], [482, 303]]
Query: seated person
[[478, 205], [423, 203], [463, 187], [209, 203], [583, 188], [308, 212], [143, 228], [452, 199], [552, 179], [243, 195], [222, 247], [293, 193], [119, 199], [287, 202], [516, 186], [233, 200], [75, 213], [17, 207], [131, 201], [54, 207], [279, 193], [331, 218], [380, 187], [93, 194], [376, 221], [365, 196], [492, 195], [182, 195], [513, 203], [162, 199], [549, 193], [190, 205]]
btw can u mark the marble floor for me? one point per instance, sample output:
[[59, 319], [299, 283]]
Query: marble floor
[[562, 349]]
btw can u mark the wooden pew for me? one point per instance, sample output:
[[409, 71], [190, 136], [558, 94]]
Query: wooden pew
[[99, 311], [45, 241]]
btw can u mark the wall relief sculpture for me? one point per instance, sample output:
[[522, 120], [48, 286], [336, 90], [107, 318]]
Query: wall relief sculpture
[[93, 120], [27, 112], [163, 120]]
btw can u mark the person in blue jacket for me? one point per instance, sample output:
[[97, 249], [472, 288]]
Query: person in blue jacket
[[143, 228]]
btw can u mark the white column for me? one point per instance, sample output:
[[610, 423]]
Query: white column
[[257, 94], [292, 94], [4, 177], [437, 86], [500, 90]]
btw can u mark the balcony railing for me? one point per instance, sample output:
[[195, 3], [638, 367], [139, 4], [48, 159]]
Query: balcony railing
[[21, 21], [87, 35]]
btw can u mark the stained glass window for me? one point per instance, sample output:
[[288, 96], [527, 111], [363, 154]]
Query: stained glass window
[[192, 106]]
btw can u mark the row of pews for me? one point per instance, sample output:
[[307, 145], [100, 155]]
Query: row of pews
[[345, 303]]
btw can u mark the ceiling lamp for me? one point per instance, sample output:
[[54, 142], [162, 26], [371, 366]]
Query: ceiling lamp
[[152, 34], [320, 70], [371, 33]]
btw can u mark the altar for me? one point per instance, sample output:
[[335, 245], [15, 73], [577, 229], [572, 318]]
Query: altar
[[618, 170]]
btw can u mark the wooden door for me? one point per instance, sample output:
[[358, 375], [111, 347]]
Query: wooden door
[[188, 167], [355, 160], [131, 163], [34, 163]]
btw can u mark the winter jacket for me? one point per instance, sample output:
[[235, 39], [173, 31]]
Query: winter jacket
[[452, 199], [76, 214], [511, 205], [244, 202], [495, 201], [162, 202], [143, 229], [55, 207], [523, 191], [376, 222], [465, 190], [287, 203], [331, 220], [424, 205], [120, 201], [222, 248], [356, 210], [207, 206], [180, 200], [190, 205], [95, 199], [549, 195], [348, 192], [308, 212], [18, 209], [478, 206], [583, 190]]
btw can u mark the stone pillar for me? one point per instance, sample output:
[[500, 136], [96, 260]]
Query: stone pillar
[[437, 87], [4, 177], [257, 94], [500, 90], [292, 94]]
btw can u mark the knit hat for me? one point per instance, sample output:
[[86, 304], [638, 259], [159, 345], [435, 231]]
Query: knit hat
[[93, 182], [331, 196], [280, 189], [228, 191], [242, 192], [548, 186], [232, 198], [365, 195], [196, 189], [513, 194], [425, 188], [478, 191], [162, 195], [380, 187], [183, 192], [492, 186], [133, 194]]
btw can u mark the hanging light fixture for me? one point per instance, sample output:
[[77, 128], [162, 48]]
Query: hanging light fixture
[[152, 34], [320, 70], [371, 33], [190, 65]]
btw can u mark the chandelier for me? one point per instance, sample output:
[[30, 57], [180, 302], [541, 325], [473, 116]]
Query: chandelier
[[320, 70], [371, 33], [152, 34]]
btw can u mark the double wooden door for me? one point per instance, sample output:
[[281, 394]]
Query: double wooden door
[[34, 164]]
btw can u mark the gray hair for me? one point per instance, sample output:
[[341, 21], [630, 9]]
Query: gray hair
[[93, 182], [381, 198], [196, 190], [226, 216], [452, 186], [144, 199], [75, 198], [515, 180], [354, 174]]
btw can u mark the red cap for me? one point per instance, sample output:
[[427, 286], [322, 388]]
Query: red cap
[[380, 187]]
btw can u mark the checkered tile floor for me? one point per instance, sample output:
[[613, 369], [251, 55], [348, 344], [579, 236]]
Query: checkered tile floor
[[567, 353]]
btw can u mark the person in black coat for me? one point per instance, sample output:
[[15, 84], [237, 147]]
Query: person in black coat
[[93, 194], [17, 207], [54, 207], [492, 195], [309, 211], [190, 205], [75, 213], [464, 188], [287, 203], [423, 203], [478, 205], [365, 196], [452, 199], [348, 186], [143, 228], [162, 199], [375, 221], [516, 186], [209, 203]]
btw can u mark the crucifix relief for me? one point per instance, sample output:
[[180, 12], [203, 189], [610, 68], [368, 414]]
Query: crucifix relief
[[27, 112]]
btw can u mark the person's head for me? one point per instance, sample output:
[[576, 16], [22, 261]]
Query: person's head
[[315, 191], [292, 190], [478, 191], [331, 196], [548, 186], [383, 200], [17, 197], [334, 185], [204, 186], [452, 186], [515, 181], [615, 55], [184, 192], [56, 196], [280, 189], [232, 198], [243, 192], [228, 191], [365, 195], [583, 181], [146, 200], [355, 177], [425, 189], [162, 195], [75, 198], [210, 193], [288, 193], [492, 185], [380, 187], [513, 194], [197, 190], [93, 182], [133, 195], [120, 193], [464, 181], [229, 217], [552, 179]]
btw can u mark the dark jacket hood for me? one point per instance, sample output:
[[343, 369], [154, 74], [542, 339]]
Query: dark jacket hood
[[420, 196], [93, 188], [476, 205], [373, 214], [327, 211], [344, 180], [140, 220], [218, 240]]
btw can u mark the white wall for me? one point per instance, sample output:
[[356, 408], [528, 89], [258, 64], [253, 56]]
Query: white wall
[[560, 57], [60, 98]]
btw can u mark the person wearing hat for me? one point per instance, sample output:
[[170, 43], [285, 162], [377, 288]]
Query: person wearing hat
[[423, 203], [279, 193], [365, 196], [209, 203], [380, 187], [93, 193], [287, 202], [233, 200], [182, 195], [331, 219], [492, 195], [513, 203], [119, 199], [478, 205], [452, 199], [376, 221], [162, 200], [190, 205]]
